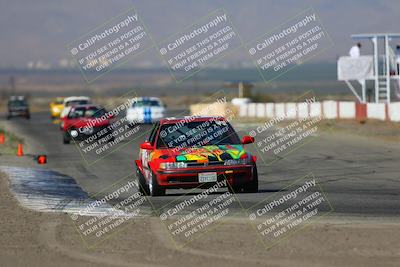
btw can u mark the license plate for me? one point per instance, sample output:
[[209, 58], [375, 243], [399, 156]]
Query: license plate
[[207, 177]]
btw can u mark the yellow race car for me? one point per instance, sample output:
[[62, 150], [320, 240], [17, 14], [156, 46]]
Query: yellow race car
[[56, 106]]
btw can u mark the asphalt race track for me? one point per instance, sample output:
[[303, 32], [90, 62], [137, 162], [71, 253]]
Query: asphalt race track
[[360, 177]]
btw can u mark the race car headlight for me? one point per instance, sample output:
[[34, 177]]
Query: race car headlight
[[172, 165], [74, 133], [244, 161], [56, 109]]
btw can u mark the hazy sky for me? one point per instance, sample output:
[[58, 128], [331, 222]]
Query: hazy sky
[[41, 29]]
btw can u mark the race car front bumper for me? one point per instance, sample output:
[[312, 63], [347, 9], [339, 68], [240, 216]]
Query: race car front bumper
[[18, 113], [136, 117], [189, 177]]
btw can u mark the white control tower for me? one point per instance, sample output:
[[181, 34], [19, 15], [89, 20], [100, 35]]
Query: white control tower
[[381, 68]]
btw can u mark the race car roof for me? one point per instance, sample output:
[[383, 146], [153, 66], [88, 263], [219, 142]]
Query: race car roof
[[17, 97], [76, 98], [184, 119], [146, 98]]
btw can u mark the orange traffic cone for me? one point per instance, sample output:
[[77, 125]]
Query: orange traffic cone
[[2, 138], [20, 151]]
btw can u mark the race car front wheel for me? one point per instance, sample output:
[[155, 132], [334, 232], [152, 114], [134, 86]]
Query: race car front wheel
[[66, 138], [154, 188], [143, 187], [252, 187]]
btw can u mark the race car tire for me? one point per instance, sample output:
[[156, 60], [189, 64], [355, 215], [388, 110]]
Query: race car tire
[[154, 188], [235, 188], [252, 187], [66, 138], [143, 187]]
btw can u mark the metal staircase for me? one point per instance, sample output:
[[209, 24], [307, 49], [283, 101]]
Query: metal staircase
[[384, 72], [383, 89]]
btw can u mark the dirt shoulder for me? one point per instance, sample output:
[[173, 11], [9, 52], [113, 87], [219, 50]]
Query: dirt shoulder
[[31, 238], [9, 147]]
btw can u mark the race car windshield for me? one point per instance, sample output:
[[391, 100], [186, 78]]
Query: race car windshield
[[195, 134], [146, 103], [17, 103], [76, 102], [87, 113]]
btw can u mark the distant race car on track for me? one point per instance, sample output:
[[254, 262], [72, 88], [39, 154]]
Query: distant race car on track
[[72, 101], [82, 121], [194, 152], [145, 110], [18, 107], [56, 106]]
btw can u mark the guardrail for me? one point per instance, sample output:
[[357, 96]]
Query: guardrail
[[326, 109]]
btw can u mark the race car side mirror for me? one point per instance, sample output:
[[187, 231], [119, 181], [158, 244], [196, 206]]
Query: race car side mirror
[[247, 140], [146, 145]]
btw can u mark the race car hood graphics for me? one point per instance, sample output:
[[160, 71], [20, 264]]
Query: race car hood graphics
[[200, 154]]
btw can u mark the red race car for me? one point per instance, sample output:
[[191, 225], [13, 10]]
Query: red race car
[[194, 152], [84, 121]]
